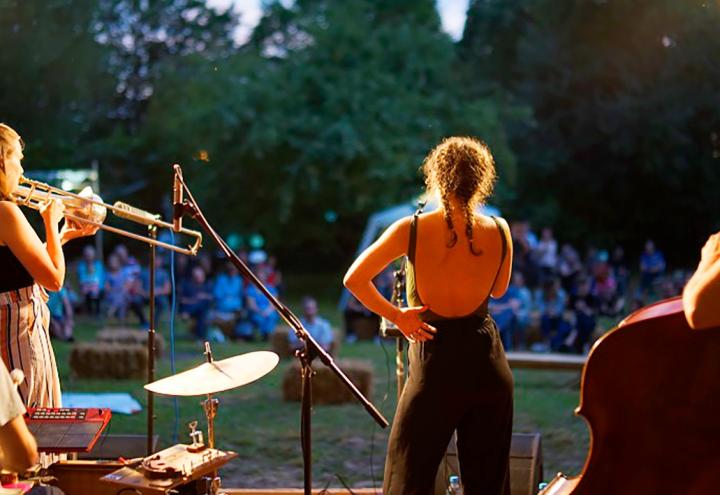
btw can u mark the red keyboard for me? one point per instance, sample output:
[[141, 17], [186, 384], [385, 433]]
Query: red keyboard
[[66, 429]]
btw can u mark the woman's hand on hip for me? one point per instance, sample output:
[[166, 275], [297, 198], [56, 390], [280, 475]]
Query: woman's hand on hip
[[410, 324], [52, 212]]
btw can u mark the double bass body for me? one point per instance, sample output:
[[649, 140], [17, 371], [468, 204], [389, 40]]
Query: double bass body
[[650, 393]]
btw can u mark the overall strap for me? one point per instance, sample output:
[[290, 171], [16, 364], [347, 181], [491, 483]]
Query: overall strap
[[504, 251], [413, 234]]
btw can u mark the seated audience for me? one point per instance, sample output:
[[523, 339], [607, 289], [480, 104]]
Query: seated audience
[[702, 292], [652, 265], [115, 296], [91, 276], [569, 267], [512, 312], [163, 288], [551, 303], [228, 294], [604, 288], [546, 254], [132, 283], [584, 305], [316, 326], [61, 315], [195, 301], [262, 315]]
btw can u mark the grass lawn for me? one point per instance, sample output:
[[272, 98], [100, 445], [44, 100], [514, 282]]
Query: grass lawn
[[255, 422]]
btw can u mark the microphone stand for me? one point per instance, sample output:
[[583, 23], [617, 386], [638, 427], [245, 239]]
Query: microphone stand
[[311, 349]]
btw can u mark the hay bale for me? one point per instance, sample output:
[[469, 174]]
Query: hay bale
[[108, 360], [327, 388], [280, 344], [130, 336]]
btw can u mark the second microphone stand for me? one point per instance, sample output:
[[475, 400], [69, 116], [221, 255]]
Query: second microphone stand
[[311, 349]]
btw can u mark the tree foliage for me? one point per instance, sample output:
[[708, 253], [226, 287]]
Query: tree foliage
[[624, 143], [325, 116]]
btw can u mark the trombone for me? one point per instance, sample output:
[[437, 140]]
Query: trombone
[[87, 207]]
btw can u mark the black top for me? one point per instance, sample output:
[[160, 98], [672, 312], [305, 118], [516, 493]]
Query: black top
[[13, 274], [413, 297]]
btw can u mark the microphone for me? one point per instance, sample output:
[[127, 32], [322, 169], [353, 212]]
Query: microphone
[[177, 198], [124, 210]]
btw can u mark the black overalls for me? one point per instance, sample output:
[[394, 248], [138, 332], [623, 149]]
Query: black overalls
[[458, 380]]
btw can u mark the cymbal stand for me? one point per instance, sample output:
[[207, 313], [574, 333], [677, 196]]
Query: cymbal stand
[[152, 233], [311, 348], [210, 406]]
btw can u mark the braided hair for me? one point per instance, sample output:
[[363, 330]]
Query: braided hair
[[462, 168]]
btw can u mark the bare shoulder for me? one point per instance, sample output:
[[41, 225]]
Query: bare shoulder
[[398, 231], [9, 211]]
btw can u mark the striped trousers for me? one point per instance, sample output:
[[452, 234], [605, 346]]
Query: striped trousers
[[25, 345]]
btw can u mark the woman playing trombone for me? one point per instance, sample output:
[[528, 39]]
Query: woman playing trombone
[[29, 268]]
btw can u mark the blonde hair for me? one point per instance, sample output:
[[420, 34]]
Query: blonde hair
[[8, 138], [463, 168]]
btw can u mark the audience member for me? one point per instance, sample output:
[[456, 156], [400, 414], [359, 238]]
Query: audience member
[[115, 296], [546, 254], [652, 266], [316, 326], [262, 315], [163, 288], [132, 283], [604, 287], [569, 267], [551, 303], [61, 315], [195, 301], [584, 305], [228, 295], [91, 276], [512, 312], [620, 269]]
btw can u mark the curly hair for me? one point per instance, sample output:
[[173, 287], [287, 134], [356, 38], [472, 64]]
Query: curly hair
[[463, 168]]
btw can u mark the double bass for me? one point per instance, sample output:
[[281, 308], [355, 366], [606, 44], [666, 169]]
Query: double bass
[[650, 393]]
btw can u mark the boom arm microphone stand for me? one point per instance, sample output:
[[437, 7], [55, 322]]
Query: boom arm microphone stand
[[311, 349]]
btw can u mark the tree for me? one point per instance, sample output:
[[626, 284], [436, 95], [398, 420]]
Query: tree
[[625, 108], [344, 101], [143, 34], [54, 84]]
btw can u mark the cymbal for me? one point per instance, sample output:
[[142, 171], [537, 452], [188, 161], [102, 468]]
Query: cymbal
[[216, 376]]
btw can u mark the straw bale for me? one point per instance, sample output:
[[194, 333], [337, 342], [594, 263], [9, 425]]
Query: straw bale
[[130, 336], [108, 360], [326, 387]]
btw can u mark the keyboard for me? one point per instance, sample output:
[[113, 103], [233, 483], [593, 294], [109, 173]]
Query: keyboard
[[67, 429]]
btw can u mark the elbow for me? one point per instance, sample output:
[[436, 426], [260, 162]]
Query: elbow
[[53, 284], [349, 281]]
